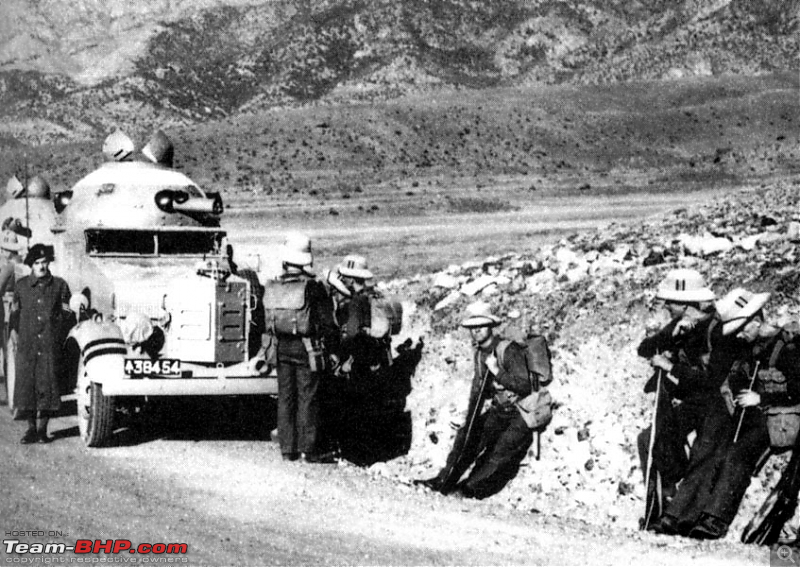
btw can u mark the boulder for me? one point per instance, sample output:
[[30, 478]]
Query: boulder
[[476, 285]]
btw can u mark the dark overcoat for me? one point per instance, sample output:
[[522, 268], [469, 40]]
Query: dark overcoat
[[43, 317]]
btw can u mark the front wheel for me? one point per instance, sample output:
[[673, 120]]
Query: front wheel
[[95, 414]]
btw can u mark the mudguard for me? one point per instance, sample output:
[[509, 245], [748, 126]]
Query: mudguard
[[102, 350]]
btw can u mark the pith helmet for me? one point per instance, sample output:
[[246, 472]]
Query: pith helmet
[[332, 278], [38, 187], [297, 250], [479, 314], [14, 187], [738, 307], [684, 286], [77, 302], [11, 242], [160, 149], [118, 146], [15, 225], [355, 266]]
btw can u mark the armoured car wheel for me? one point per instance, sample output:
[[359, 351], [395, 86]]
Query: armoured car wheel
[[11, 369], [95, 414]]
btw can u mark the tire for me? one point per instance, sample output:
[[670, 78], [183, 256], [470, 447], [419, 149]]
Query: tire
[[95, 414]]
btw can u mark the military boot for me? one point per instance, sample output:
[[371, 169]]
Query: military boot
[[30, 435], [41, 430]]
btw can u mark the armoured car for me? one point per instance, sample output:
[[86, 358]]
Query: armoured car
[[161, 308]]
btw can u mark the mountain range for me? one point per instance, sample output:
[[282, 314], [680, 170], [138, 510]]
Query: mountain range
[[72, 70]]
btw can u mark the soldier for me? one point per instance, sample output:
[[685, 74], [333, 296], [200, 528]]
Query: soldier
[[299, 316], [11, 244], [714, 434], [679, 352], [767, 378], [497, 440], [43, 303], [354, 315]]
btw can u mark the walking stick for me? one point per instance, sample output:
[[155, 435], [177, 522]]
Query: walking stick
[[750, 389], [650, 448], [537, 435]]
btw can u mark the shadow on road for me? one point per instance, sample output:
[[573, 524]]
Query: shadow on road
[[198, 418]]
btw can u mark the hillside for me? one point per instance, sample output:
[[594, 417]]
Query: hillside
[[591, 294], [482, 151], [73, 70]]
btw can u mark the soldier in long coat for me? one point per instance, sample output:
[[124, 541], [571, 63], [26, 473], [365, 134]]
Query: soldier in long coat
[[43, 303]]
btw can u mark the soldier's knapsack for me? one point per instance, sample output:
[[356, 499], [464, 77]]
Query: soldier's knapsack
[[536, 409], [387, 317], [287, 308], [537, 358]]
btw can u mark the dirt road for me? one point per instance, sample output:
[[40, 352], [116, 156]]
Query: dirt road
[[403, 244], [234, 502]]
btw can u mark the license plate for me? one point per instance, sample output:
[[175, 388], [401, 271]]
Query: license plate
[[162, 367]]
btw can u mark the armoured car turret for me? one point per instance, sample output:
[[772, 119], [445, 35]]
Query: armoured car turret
[[32, 204], [143, 245]]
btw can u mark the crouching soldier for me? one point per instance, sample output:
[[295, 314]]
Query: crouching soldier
[[679, 352], [495, 440]]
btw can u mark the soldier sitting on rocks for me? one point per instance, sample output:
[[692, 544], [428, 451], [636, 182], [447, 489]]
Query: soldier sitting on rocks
[[766, 379], [683, 513], [679, 352], [495, 440]]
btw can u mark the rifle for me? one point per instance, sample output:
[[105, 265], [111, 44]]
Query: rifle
[[447, 479], [650, 503], [750, 389], [537, 435]]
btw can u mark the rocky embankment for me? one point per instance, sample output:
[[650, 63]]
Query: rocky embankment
[[591, 294]]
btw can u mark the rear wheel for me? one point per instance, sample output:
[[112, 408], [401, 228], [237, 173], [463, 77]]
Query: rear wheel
[[95, 414]]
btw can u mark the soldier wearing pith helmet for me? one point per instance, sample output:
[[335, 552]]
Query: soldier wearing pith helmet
[[700, 355], [763, 383], [679, 352], [496, 440], [299, 316]]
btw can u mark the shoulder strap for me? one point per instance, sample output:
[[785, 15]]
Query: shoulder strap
[[711, 326], [776, 352], [500, 352]]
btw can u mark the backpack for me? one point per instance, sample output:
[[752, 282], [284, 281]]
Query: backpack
[[537, 358], [287, 309], [783, 422], [387, 317], [537, 408]]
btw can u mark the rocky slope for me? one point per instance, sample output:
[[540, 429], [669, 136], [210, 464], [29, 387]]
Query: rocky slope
[[76, 68], [591, 295]]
